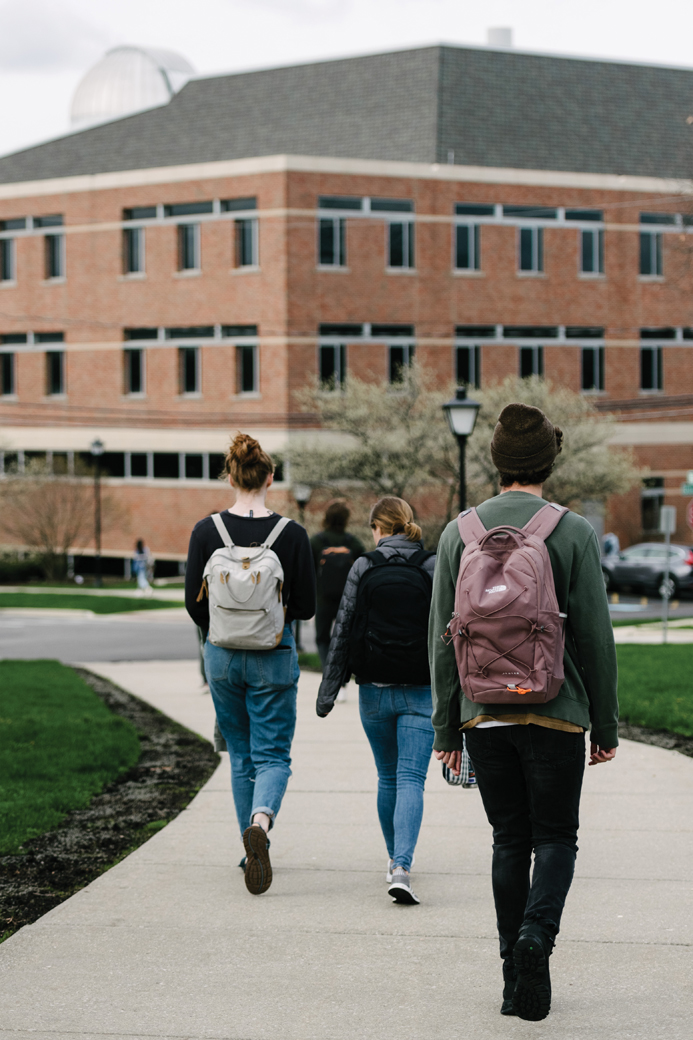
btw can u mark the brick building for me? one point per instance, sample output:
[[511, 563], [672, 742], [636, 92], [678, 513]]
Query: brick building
[[169, 277]]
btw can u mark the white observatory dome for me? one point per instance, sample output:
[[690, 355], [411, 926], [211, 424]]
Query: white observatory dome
[[127, 80]]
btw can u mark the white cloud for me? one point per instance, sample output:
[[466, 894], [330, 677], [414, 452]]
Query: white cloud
[[37, 35]]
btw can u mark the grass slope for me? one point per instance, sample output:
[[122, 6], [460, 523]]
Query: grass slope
[[99, 604], [655, 688], [59, 746]]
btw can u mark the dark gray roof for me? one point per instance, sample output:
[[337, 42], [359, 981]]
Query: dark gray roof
[[491, 108]]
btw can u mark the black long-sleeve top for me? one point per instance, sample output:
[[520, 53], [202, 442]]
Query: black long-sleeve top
[[292, 547]]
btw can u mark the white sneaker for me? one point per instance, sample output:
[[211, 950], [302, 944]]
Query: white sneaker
[[388, 876], [400, 890]]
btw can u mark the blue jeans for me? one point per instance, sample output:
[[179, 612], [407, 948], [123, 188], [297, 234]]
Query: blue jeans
[[397, 721], [254, 694]]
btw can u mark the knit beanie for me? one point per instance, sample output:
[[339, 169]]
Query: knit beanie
[[524, 440]]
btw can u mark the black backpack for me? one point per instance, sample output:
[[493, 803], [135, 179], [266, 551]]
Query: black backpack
[[389, 639], [334, 565]]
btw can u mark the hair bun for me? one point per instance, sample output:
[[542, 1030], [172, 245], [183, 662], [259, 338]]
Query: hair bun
[[245, 449]]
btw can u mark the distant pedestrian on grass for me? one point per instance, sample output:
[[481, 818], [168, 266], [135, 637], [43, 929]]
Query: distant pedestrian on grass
[[250, 574], [334, 552], [380, 634], [498, 674], [142, 566]]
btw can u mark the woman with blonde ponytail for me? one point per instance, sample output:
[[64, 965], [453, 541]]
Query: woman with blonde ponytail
[[381, 634], [254, 690]]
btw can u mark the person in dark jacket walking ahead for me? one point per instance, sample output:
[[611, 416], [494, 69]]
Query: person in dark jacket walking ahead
[[529, 758], [380, 634], [334, 552], [254, 690]]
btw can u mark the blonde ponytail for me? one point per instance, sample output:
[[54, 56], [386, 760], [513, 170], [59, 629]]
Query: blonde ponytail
[[394, 516]]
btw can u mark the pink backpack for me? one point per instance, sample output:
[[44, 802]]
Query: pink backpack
[[507, 630]]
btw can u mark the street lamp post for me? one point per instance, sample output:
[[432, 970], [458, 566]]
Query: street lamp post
[[461, 414], [302, 493], [96, 448]]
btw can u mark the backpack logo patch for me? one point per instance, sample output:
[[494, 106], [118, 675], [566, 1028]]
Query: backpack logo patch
[[497, 588]]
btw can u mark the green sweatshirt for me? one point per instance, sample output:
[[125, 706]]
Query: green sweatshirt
[[588, 696]]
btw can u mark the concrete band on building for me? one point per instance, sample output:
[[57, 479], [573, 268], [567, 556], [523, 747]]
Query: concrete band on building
[[172, 276]]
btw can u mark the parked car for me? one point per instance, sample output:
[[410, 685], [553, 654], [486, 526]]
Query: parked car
[[641, 567]]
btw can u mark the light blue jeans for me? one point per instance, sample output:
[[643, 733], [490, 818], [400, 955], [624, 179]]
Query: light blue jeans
[[254, 694], [397, 721]]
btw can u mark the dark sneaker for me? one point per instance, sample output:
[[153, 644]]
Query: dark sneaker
[[509, 983], [532, 996], [258, 869], [400, 889], [243, 863]]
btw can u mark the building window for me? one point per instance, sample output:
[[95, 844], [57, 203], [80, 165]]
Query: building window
[[468, 366], [246, 243], [593, 368], [189, 370], [134, 370], [246, 369], [188, 247], [133, 250], [7, 375], [531, 362], [651, 253], [401, 244], [592, 251], [332, 242], [651, 502], [194, 467], [467, 247], [531, 245], [55, 372], [332, 365], [54, 246], [401, 357], [186, 209], [651, 368], [7, 260]]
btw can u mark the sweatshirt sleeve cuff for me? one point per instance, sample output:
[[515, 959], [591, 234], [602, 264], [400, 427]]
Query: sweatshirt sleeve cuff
[[448, 739], [606, 737]]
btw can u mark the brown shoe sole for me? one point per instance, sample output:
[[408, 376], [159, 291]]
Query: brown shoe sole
[[258, 869]]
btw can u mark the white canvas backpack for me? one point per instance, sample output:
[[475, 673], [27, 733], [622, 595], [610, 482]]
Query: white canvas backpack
[[244, 586]]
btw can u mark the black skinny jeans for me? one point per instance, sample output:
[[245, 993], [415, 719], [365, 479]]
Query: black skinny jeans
[[530, 779], [325, 614]]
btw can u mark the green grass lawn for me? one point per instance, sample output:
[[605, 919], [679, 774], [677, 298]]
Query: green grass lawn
[[59, 746], [655, 686], [99, 604]]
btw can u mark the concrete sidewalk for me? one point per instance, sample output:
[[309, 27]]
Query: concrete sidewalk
[[170, 944]]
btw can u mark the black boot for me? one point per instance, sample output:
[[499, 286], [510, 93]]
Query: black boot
[[509, 981], [532, 996]]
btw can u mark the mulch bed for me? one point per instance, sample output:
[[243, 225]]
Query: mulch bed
[[174, 763], [658, 737]]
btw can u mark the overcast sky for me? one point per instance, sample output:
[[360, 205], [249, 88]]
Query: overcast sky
[[47, 45]]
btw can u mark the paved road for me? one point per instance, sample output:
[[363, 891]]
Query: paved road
[[169, 943], [101, 638]]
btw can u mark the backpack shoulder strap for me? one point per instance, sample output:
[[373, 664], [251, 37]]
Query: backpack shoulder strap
[[376, 557], [221, 528], [276, 531], [470, 526], [418, 558], [545, 520]]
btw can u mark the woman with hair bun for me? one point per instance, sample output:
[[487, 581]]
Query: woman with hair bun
[[381, 634], [254, 690]]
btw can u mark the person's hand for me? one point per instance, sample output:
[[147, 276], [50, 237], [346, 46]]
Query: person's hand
[[452, 759], [598, 754]]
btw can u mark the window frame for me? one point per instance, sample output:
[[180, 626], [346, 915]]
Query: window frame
[[339, 366], [183, 353], [597, 366], [338, 228], [655, 259], [408, 245], [189, 233], [473, 367], [54, 256], [473, 233], [51, 357], [408, 348], [128, 353], [8, 261], [656, 351], [240, 226], [8, 373], [597, 237], [130, 236], [536, 240], [243, 350], [537, 355]]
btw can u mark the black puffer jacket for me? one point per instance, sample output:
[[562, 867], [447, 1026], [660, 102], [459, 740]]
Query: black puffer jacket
[[338, 657]]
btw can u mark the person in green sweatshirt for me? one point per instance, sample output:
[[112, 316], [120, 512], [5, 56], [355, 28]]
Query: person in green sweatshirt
[[530, 762]]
